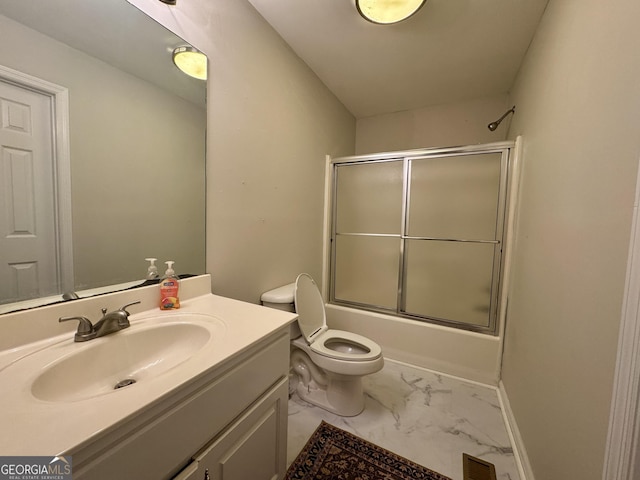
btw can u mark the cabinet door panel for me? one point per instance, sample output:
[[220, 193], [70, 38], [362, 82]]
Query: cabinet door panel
[[255, 446]]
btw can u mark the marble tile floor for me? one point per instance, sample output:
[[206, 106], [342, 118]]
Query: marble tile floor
[[429, 418]]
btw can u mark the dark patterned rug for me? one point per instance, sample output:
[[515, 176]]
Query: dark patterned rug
[[332, 453]]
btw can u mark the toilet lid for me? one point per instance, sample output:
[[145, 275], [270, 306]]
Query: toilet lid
[[310, 307]]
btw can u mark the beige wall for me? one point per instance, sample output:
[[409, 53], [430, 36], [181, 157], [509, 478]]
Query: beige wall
[[448, 125], [578, 109], [124, 154], [270, 124]]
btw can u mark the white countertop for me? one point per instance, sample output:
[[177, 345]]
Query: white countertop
[[31, 426]]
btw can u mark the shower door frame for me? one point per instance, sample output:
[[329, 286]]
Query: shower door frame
[[506, 149]]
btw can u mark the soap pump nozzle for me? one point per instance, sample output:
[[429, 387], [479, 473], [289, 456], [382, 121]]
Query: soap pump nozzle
[[152, 271], [169, 272]]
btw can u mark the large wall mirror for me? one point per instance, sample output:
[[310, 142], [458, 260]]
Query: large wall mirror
[[135, 148]]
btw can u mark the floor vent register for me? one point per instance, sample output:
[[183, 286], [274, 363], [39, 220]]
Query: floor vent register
[[476, 469]]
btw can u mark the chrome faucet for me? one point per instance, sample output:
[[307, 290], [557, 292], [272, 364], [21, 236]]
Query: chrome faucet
[[109, 323]]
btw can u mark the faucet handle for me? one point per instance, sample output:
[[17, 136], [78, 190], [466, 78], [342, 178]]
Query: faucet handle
[[85, 328], [85, 325], [124, 308]]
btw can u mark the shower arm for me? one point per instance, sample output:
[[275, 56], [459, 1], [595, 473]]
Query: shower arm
[[493, 125]]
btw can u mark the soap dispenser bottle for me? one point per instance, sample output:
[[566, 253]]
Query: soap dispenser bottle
[[152, 271], [169, 286]]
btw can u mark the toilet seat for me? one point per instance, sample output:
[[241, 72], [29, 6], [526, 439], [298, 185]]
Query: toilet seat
[[312, 320], [368, 349]]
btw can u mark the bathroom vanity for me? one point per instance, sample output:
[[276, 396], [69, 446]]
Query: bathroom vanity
[[209, 392]]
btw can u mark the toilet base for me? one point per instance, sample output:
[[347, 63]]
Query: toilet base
[[345, 405], [339, 394]]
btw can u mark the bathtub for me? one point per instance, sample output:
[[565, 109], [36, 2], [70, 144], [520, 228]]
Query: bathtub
[[470, 355]]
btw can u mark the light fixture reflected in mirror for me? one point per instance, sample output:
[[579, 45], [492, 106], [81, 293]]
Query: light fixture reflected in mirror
[[386, 12], [191, 61]]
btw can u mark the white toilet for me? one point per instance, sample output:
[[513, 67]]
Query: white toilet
[[329, 364]]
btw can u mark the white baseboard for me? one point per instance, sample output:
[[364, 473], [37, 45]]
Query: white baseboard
[[519, 451]]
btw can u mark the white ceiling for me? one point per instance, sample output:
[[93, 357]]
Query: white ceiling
[[451, 50]]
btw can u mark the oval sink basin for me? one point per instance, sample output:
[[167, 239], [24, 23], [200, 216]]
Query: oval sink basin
[[123, 359]]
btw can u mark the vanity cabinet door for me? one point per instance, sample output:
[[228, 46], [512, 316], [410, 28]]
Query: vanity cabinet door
[[254, 447]]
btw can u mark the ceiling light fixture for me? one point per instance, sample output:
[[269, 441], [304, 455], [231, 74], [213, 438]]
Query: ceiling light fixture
[[191, 61], [386, 12], [169, 2]]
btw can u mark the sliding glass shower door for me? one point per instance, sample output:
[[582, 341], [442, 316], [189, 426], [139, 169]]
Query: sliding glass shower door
[[419, 235], [368, 226]]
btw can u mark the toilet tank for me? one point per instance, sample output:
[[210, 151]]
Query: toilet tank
[[280, 298]]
